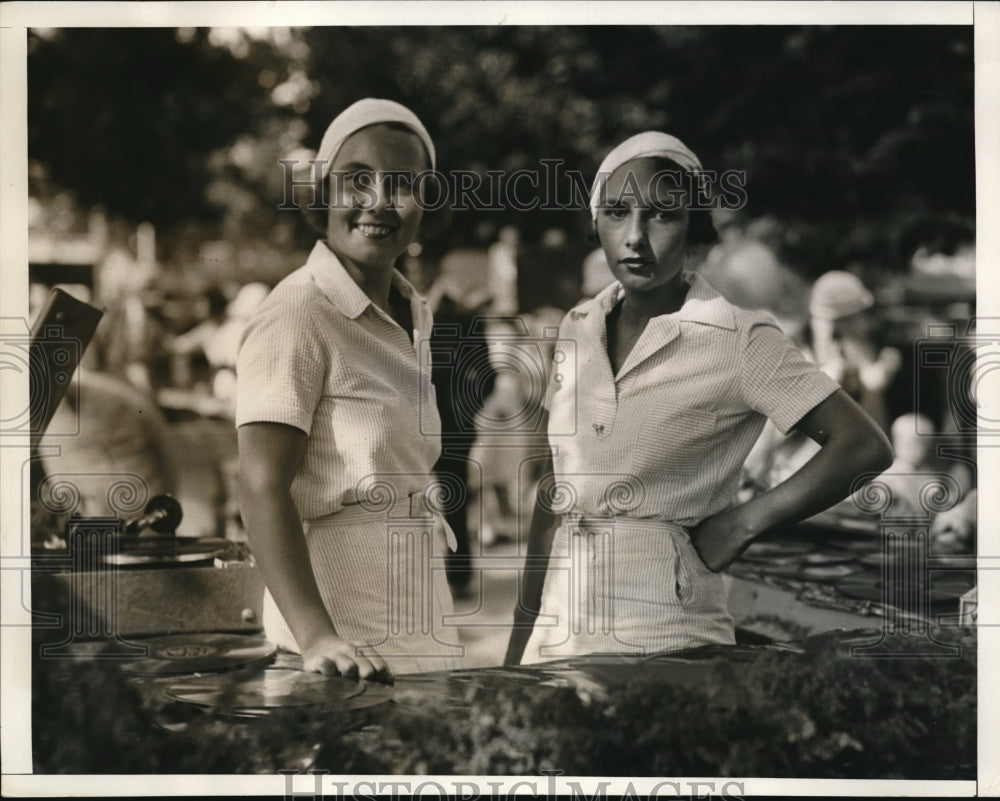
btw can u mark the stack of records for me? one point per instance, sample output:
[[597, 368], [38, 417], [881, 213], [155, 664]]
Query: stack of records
[[935, 587], [198, 653]]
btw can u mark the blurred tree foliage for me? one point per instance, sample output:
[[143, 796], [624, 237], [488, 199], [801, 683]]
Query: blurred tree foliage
[[129, 120], [849, 135], [852, 136]]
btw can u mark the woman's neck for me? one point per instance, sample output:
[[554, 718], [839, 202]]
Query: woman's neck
[[374, 280], [664, 299]]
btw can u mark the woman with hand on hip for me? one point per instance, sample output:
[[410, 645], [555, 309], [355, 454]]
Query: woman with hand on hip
[[649, 429], [338, 431]]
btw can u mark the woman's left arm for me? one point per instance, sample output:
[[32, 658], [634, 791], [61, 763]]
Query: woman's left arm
[[851, 444]]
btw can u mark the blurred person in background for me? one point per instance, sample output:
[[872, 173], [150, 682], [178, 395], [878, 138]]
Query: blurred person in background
[[222, 345], [752, 277], [517, 354], [596, 274], [917, 468], [463, 377], [845, 341], [131, 340], [335, 413], [512, 464], [501, 271], [672, 388], [954, 530], [496, 455], [463, 270], [121, 432], [189, 362], [730, 228]]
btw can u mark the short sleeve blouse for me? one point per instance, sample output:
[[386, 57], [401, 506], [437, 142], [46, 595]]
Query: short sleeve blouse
[[320, 356], [666, 437]]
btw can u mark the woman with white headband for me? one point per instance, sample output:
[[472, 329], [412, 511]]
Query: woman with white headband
[[338, 429], [670, 388]]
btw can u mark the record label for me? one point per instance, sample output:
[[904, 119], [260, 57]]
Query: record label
[[828, 572], [199, 653], [828, 558]]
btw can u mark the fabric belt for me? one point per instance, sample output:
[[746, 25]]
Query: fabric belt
[[583, 524], [408, 507]]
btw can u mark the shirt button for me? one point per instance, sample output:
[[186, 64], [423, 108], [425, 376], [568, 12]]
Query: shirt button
[[598, 429]]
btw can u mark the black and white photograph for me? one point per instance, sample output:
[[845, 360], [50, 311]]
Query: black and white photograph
[[491, 399]]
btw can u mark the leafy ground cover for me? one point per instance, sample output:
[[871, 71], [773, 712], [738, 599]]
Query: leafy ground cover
[[816, 712]]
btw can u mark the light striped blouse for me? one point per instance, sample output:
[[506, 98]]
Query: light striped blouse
[[666, 437], [320, 356]]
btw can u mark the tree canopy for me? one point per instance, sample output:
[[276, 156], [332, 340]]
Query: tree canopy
[[850, 136]]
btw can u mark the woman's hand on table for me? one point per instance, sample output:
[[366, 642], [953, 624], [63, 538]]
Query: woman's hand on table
[[333, 656]]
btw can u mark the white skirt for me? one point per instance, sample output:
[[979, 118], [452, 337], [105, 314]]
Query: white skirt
[[383, 584], [626, 586]]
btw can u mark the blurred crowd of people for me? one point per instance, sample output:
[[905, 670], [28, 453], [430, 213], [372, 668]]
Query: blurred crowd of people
[[840, 324]]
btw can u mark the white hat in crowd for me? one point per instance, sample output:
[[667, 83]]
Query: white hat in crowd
[[838, 294]]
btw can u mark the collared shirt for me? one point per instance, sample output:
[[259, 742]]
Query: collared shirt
[[320, 356], [665, 438]]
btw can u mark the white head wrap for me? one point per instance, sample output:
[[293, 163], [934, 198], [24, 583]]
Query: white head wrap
[[650, 144], [370, 111]]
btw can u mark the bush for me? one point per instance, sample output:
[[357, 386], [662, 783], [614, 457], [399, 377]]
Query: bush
[[784, 714]]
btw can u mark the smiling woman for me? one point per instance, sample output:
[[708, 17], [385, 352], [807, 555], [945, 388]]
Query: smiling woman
[[373, 212], [338, 429]]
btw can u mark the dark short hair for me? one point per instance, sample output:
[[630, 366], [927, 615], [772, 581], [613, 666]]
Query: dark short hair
[[701, 230], [316, 217]]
